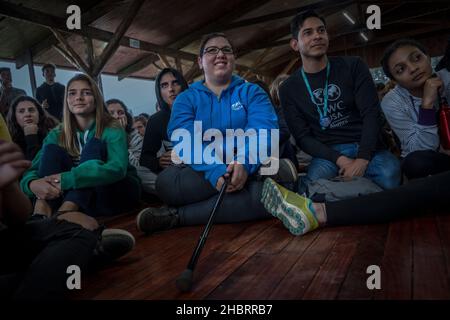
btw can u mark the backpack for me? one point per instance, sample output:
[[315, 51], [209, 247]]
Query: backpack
[[340, 188]]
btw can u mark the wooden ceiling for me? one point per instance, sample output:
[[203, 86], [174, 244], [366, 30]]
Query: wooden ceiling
[[169, 32]]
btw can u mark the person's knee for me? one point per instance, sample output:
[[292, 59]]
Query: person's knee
[[166, 186], [81, 219], [321, 169], [417, 165], [53, 151], [389, 174], [95, 149]]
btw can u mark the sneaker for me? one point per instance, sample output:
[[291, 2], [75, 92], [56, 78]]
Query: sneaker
[[115, 243], [287, 173], [157, 219], [296, 212]]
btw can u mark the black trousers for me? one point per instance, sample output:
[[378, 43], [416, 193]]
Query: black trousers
[[419, 164], [194, 196], [35, 258], [416, 197]]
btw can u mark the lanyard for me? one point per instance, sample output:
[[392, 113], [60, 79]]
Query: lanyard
[[324, 120]]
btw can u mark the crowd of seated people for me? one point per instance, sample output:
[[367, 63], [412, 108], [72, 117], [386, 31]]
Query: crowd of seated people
[[69, 161]]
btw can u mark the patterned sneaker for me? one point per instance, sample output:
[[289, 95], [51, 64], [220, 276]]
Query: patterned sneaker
[[296, 212], [157, 219], [115, 243]]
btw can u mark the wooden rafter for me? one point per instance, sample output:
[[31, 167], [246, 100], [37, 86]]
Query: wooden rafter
[[178, 65], [137, 65], [141, 63], [286, 13], [26, 14], [164, 60], [393, 36], [114, 43], [69, 58], [48, 41], [258, 61], [69, 52], [217, 24]]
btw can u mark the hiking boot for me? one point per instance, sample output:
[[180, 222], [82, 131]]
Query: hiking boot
[[157, 219], [296, 212], [286, 174], [115, 243]]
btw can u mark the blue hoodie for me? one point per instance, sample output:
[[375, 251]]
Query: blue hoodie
[[242, 105]]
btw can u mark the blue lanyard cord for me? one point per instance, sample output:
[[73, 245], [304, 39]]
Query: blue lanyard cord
[[325, 93]]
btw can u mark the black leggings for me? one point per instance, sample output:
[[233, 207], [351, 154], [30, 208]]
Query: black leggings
[[193, 195], [419, 164], [414, 198], [35, 258]]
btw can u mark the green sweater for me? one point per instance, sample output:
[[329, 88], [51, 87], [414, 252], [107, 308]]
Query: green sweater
[[91, 173]]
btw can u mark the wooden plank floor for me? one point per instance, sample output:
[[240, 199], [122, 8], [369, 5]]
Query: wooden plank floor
[[261, 260]]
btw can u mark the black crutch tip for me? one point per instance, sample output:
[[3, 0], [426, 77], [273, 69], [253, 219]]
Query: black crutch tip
[[184, 281]]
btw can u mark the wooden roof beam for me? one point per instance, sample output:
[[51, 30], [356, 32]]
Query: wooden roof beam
[[97, 11], [114, 43], [137, 65], [217, 24], [34, 16], [143, 62], [69, 53], [391, 37], [325, 4]]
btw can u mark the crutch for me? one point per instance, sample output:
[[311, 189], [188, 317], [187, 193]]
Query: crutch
[[184, 281]]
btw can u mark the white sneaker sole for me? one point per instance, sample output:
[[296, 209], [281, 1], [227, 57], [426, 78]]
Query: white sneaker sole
[[293, 218], [118, 233]]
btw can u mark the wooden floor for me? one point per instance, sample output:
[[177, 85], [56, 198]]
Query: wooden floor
[[262, 260]]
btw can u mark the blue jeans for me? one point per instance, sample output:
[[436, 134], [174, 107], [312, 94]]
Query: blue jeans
[[108, 200], [383, 169]]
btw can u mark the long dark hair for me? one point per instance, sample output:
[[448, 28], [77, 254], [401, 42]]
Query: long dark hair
[[129, 126], [181, 80], [46, 121]]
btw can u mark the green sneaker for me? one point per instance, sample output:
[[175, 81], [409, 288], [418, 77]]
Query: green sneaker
[[296, 212]]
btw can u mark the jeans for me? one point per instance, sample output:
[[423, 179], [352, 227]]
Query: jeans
[[383, 169], [107, 200], [182, 187]]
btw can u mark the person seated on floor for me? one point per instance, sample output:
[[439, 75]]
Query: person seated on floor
[[139, 124], [301, 215], [339, 126], [29, 124], [82, 167], [286, 149], [411, 107], [8, 93], [119, 111], [219, 102], [35, 254], [157, 147]]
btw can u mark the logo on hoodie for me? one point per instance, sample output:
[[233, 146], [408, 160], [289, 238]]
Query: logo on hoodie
[[236, 106]]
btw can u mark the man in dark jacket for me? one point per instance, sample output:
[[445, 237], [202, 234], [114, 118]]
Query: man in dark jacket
[[156, 149], [51, 94]]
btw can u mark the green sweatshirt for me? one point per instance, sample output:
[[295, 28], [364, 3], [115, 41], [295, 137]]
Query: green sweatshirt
[[91, 173]]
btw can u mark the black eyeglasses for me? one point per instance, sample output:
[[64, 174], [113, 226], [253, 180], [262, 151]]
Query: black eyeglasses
[[215, 50]]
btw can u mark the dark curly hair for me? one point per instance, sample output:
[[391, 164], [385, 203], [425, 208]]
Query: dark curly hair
[[129, 126], [46, 121]]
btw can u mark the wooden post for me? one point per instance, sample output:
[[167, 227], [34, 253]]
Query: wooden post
[[30, 63]]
